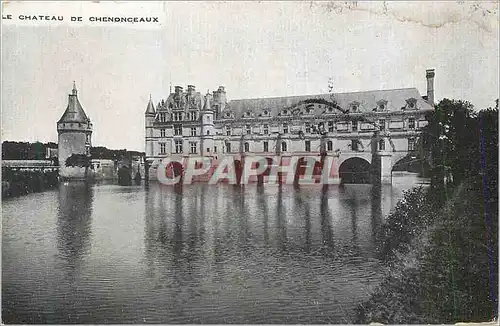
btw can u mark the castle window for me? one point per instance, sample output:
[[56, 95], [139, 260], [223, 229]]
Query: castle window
[[411, 103], [228, 147], [193, 131], [411, 123], [381, 124], [247, 147], [354, 126], [329, 145], [308, 127], [266, 146], [285, 128], [162, 132], [162, 148], [193, 147], [178, 146], [381, 145], [228, 131], [308, 145], [208, 132], [381, 105], [354, 145], [87, 139], [215, 149], [177, 116], [330, 126], [283, 147], [177, 130], [248, 129], [266, 129], [411, 144], [163, 117]]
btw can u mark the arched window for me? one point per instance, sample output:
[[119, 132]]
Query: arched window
[[381, 145], [329, 145], [247, 147], [283, 147]]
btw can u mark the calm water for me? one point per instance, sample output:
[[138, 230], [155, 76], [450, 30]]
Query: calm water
[[203, 254]]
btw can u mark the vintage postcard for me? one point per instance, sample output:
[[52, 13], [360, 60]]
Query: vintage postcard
[[278, 162]]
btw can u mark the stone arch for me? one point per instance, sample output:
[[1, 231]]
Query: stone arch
[[403, 161], [355, 170]]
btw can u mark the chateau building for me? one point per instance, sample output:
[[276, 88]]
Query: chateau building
[[74, 136], [188, 123]]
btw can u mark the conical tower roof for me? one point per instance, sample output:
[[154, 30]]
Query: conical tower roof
[[151, 108], [74, 111]]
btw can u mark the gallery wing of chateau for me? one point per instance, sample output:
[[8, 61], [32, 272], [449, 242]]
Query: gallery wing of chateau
[[188, 123]]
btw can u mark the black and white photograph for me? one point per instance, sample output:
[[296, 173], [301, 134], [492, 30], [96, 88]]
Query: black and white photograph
[[249, 162]]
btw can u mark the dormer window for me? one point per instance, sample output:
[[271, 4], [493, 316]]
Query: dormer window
[[381, 105], [411, 103], [354, 107], [265, 112], [247, 114], [285, 112], [228, 115]]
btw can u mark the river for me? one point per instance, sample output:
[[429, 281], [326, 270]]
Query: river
[[201, 254]]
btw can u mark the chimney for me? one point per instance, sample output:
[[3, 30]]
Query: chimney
[[430, 85], [178, 89], [191, 89]]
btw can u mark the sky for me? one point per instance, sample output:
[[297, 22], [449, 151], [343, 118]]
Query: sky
[[254, 49]]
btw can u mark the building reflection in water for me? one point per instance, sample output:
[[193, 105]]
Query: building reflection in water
[[74, 222], [326, 227], [262, 200], [74, 227], [281, 221]]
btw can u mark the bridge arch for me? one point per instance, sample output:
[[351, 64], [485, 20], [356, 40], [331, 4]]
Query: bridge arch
[[355, 170]]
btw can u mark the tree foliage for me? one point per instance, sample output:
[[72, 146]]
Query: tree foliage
[[78, 160], [442, 244]]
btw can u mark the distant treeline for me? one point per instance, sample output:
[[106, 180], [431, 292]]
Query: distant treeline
[[37, 151], [12, 150]]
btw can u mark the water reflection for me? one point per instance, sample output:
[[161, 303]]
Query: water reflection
[[326, 228], [196, 254], [74, 219]]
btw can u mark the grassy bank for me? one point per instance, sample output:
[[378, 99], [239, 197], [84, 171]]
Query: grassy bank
[[439, 259]]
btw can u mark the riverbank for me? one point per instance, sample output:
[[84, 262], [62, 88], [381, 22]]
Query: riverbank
[[17, 183], [441, 266]]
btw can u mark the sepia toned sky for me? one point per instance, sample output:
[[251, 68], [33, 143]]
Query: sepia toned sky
[[254, 49]]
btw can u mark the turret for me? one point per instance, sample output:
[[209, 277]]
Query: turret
[[207, 127], [149, 122], [74, 136]]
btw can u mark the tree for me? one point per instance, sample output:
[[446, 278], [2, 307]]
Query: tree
[[79, 160]]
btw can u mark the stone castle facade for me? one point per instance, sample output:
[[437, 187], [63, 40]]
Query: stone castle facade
[[187, 123]]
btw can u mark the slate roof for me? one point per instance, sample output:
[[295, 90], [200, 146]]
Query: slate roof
[[151, 108], [367, 101], [74, 111]]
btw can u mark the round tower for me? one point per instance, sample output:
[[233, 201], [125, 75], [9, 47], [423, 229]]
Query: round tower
[[74, 131], [207, 128]]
